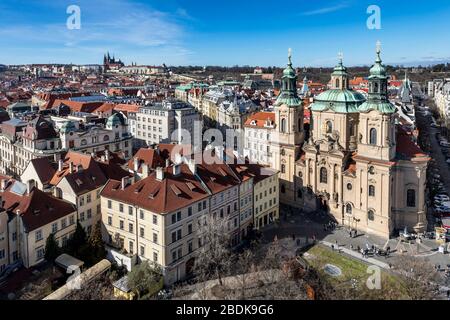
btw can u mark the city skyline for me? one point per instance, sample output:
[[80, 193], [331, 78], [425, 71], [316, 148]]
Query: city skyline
[[184, 33]]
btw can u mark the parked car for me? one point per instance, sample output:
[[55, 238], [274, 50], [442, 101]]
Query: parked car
[[442, 197]]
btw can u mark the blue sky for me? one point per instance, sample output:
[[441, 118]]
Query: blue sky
[[224, 32]]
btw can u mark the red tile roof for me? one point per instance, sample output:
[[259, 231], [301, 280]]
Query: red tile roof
[[260, 118], [37, 208], [407, 149], [171, 193]]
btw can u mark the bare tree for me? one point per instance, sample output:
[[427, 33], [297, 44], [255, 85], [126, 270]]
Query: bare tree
[[213, 260], [419, 278]]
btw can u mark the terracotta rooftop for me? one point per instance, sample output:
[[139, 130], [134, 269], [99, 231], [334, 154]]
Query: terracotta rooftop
[[36, 208], [171, 193]]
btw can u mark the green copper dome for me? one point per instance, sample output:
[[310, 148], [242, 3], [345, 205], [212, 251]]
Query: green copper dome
[[342, 101], [381, 106], [378, 96], [114, 120], [378, 71], [340, 69], [288, 95]]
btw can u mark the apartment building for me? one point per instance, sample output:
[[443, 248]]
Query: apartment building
[[157, 123], [33, 216], [258, 132], [156, 215], [265, 197], [77, 178], [23, 141], [157, 218]]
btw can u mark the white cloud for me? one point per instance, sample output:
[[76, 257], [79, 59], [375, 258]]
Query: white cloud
[[325, 10], [105, 25]]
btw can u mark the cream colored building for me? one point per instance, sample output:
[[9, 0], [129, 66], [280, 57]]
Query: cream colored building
[[266, 198], [34, 215], [156, 218], [359, 164]]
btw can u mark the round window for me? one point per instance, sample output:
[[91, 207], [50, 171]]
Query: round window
[[349, 186]]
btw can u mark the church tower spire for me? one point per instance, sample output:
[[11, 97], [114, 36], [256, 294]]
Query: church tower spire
[[288, 94], [339, 77]]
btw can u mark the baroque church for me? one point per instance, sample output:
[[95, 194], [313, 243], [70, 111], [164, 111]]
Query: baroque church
[[358, 164]]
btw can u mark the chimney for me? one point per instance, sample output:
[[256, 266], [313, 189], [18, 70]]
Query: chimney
[[102, 158], [176, 169], [159, 174], [71, 167], [135, 164], [124, 182], [192, 166], [167, 163], [107, 155], [3, 184], [144, 171], [60, 165], [56, 157], [30, 186]]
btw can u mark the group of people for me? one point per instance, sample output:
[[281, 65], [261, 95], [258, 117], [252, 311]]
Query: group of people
[[330, 226]]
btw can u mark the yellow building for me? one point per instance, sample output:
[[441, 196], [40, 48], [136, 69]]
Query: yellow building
[[266, 198]]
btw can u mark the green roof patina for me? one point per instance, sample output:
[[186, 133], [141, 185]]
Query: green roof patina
[[67, 127], [378, 71], [288, 95], [341, 101], [378, 100], [381, 106], [191, 85]]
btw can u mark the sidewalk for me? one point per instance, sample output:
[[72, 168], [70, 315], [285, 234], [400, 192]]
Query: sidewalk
[[357, 255]]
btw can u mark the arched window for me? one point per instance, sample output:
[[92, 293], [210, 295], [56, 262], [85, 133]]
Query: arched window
[[371, 191], [371, 215], [337, 83], [283, 125], [106, 138], [323, 175], [376, 87], [329, 127], [283, 188], [83, 142], [348, 208], [373, 136], [283, 168], [411, 198]]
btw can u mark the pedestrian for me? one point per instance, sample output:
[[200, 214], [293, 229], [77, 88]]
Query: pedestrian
[[359, 248], [293, 236], [351, 246], [332, 247]]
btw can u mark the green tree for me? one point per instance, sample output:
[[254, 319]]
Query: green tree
[[78, 242], [95, 243], [52, 249], [145, 279]]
